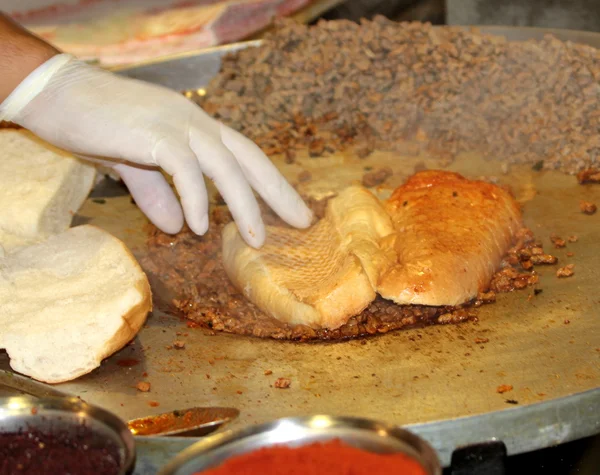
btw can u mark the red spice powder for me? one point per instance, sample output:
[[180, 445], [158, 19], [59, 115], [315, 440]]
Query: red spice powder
[[331, 458]]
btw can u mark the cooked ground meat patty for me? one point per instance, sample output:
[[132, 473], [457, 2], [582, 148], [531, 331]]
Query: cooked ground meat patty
[[188, 270]]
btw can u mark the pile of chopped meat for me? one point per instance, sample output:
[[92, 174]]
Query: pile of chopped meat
[[449, 89]]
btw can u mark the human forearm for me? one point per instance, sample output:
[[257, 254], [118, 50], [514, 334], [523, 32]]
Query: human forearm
[[20, 53]]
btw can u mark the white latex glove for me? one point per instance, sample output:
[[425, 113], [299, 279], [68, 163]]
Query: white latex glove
[[138, 127]]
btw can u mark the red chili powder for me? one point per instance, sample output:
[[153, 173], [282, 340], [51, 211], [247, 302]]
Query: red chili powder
[[331, 458]]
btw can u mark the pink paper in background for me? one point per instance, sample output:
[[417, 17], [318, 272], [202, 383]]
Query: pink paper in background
[[125, 31], [241, 19]]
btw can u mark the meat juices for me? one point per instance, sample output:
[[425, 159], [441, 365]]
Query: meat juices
[[450, 236]]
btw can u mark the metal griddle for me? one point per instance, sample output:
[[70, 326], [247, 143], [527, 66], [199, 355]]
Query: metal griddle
[[438, 380]]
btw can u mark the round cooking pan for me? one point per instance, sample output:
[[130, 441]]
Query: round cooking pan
[[569, 414]]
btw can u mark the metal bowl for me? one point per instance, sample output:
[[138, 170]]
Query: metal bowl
[[48, 415], [365, 434]]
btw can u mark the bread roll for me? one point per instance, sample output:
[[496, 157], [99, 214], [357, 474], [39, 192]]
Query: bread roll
[[69, 302], [318, 277], [41, 188], [451, 235]]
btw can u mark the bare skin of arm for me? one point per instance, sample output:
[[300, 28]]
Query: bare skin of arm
[[20, 53]]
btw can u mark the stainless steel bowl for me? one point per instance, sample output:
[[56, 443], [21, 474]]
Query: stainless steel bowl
[[48, 415], [361, 433]]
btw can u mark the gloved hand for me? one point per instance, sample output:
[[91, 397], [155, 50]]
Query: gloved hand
[[138, 127]]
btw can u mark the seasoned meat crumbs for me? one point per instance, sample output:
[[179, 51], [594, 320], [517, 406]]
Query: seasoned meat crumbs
[[304, 176], [504, 388], [282, 383], [487, 297], [179, 345], [143, 386], [376, 177], [566, 271], [589, 175], [544, 259], [587, 207], [557, 241]]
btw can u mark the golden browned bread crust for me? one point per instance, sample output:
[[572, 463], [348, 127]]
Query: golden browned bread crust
[[319, 277], [437, 242], [450, 236]]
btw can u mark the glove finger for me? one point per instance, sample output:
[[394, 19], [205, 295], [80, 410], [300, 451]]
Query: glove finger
[[264, 177], [154, 197], [181, 163], [220, 165]]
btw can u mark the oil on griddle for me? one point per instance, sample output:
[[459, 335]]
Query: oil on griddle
[[403, 87]]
